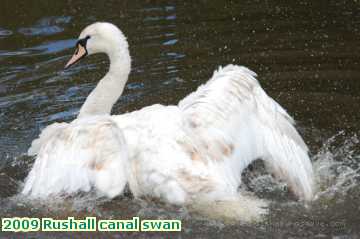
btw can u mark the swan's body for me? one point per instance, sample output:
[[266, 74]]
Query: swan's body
[[194, 150]]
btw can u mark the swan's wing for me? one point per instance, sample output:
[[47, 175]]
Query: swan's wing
[[232, 116], [76, 157], [44, 137]]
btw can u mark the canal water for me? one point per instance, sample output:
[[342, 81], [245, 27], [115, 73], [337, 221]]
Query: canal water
[[306, 54]]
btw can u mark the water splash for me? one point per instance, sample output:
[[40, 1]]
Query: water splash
[[337, 166], [245, 208], [336, 169]]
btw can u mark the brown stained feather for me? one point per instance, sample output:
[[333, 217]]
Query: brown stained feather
[[99, 166], [98, 137], [99, 134], [191, 151], [218, 153], [195, 156], [193, 124], [96, 165], [227, 149], [221, 150], [92, 164], [194, 183]]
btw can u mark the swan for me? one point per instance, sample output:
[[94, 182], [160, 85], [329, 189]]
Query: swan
[[179, 153]]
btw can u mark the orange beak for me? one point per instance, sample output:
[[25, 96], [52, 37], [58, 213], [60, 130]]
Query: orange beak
[[80, 53]]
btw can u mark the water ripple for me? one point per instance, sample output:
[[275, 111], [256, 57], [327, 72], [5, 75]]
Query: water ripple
[[4, 33], [46, 26], [52, 47]]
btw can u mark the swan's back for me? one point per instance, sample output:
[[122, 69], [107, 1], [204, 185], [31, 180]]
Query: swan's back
[[76, 157], [237, 122]]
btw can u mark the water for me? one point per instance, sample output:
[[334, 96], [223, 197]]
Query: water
[[305, 53]]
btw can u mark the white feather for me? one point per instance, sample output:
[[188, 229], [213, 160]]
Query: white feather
[[233, 109], [79, 156]]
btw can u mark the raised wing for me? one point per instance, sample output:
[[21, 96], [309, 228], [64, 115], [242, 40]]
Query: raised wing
[[235, 120]]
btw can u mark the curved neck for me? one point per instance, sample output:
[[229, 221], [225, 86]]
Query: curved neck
[[110, 87]]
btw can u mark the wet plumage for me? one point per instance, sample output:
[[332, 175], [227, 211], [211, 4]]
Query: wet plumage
[[194, 150]]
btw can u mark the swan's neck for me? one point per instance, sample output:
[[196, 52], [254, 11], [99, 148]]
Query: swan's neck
[[110, 87]]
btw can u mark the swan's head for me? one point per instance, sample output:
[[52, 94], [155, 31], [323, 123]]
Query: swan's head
[[99, 37]]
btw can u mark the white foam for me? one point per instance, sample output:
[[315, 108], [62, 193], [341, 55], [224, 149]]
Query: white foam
[[243, 208]]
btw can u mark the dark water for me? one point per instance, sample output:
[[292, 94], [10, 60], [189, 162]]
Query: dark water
[[306, 54]]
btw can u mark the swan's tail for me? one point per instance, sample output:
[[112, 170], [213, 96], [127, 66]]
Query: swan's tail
[[233, 116]]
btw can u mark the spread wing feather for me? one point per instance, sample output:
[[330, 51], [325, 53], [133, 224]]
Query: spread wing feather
[[236, 121]]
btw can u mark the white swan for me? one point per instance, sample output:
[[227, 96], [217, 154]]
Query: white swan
[[194, 150]]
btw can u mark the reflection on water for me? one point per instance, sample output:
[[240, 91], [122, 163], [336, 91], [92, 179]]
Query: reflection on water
[[306, 54], [45, 26]]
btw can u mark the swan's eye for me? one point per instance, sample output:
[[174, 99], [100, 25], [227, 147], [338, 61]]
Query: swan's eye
[[83, 41]]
